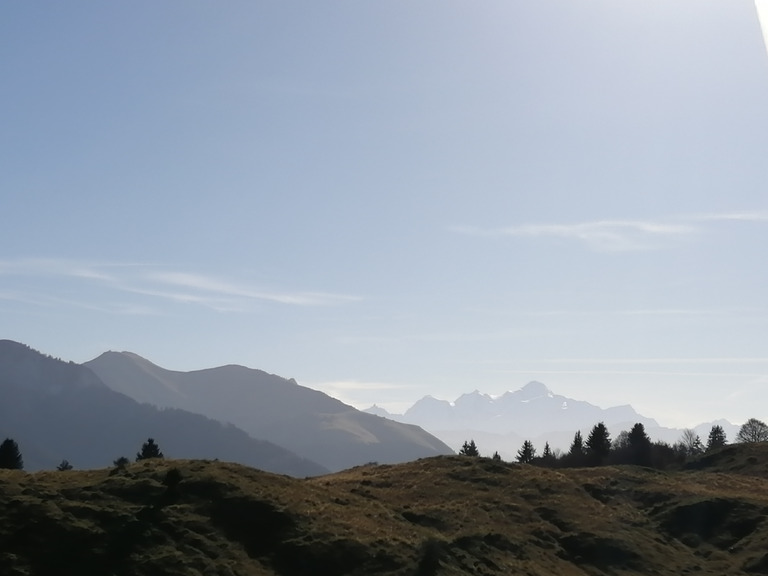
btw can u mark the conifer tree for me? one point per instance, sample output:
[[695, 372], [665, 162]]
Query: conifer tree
[[149, 450], [469, 449], [639, 445], [577, 446], [10, 456], [527, 453], [716, 438], [598, 444], [547, 454]]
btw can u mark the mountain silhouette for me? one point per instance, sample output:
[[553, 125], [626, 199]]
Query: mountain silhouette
[[305, 421], [59, 410]]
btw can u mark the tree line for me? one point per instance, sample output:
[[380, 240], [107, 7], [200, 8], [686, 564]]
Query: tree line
[[11, 457], [629, 447]]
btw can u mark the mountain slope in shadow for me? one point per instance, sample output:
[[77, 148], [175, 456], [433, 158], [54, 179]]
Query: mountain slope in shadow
[[307, 422], [57, 410]]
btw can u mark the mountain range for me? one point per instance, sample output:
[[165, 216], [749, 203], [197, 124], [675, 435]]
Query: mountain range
[[91, 414], [534, 412], [59, 410], [305, 421]]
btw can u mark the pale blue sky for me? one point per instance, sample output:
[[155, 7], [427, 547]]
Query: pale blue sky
[[390, 199]]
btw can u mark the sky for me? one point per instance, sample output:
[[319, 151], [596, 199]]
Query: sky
[[385, 200]]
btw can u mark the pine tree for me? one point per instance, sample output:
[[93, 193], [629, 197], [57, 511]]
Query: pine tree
[[598, 444], [577, 446], [149, 450], [469, 449], [64, 466], [639, 445], [547, 454], [716, 438], [527, 453], [10, 456]]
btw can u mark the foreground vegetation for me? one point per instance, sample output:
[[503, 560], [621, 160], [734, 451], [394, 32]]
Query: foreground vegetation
[[437, 516]]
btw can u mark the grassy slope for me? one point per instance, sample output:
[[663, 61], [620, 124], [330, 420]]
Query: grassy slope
[[444, 515]]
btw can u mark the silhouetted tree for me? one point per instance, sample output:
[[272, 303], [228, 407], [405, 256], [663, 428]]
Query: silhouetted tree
[[121, 462], [690, 443], [621, 442], [496, 457], [64, 465], [577, 446], [753, 430], [469, 449], [527, 453], [639, 445], [717, 438], [149, 450], [547, 454], [10, 456], [598, 444], [576, 455]]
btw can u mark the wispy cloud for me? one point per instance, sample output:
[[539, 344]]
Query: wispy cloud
[[149, 280], [618, 235], [602, 235], [749, 216], [211, 285]]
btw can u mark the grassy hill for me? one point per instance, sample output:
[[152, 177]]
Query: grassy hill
[[439, 516]]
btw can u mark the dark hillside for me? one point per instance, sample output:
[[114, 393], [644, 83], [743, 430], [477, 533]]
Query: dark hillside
[[749, 459], [437, 516], [60, 410], [305, 421]]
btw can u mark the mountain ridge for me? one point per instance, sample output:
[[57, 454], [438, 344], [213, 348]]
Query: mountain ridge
[[306, 421], [534, 412], [61, 410]]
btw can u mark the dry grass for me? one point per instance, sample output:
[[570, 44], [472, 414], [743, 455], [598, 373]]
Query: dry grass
[[438, 516]]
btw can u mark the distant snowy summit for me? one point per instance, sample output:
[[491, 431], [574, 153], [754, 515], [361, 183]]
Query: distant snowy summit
[[532, 410]]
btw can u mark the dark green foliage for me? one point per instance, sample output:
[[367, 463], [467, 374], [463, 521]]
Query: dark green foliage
[[639, 445], [575, 455], [149, 450], [527, 453], [64, 465], [716, 438], [598, 445], [10, 456], [469, 449], [577, 446], [121, 462], [753, 430]]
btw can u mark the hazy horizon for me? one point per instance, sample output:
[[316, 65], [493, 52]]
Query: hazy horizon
[[389, 200]]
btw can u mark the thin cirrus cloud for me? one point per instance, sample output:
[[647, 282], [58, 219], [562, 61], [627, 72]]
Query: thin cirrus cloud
[[117, 279], [601, 235], [618, 235]]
